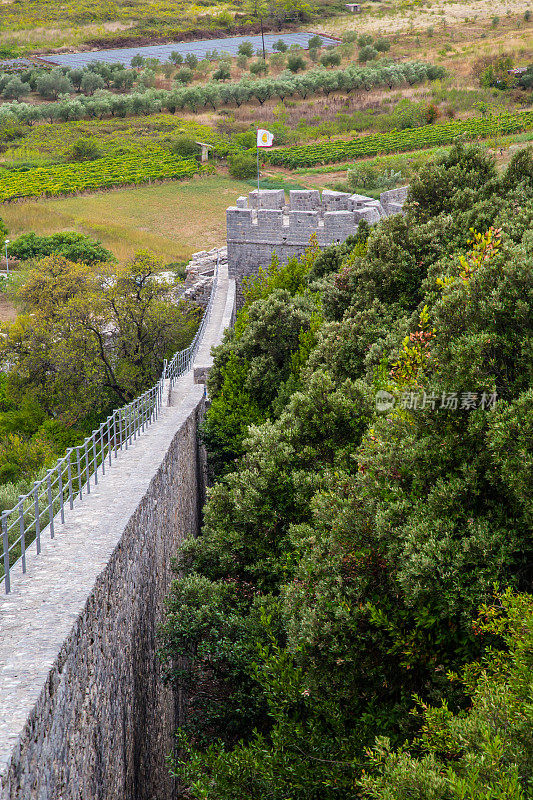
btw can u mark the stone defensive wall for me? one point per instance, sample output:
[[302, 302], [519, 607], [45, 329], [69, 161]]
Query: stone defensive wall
[[262, 223], [84, 713]]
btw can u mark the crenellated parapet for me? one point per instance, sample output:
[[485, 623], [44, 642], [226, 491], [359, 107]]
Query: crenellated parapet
[[263, 223]]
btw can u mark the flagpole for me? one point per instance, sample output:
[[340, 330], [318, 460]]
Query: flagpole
[[257, 150]]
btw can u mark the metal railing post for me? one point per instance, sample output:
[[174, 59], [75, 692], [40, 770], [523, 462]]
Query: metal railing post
[[60, 490], [37, 517], [5, 539], [115, 432], [69, 478], [22, 533], [95, 460], [50, 502], [102, 453], [87, 468], [135, 418], [78, 459]]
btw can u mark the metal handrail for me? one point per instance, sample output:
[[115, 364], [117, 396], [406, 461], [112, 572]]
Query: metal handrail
[[45, 504], [183, 360]]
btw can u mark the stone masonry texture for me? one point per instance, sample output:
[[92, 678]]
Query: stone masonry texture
[[263, 224], [89, 717], [84, 713]]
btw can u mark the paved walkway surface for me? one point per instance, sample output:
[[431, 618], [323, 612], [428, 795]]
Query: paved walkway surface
[[199, 48], [39, 613]]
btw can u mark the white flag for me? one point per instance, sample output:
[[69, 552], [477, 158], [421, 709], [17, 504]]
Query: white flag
[[264, 138]]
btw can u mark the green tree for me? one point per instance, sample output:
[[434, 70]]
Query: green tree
[[72, 246], [295, 62], [15, 89], [88, 337], [485, 752], [362, 541], [246, 49], [242, 166], [90, 82], [222, 73], [51, 84], [367, 53]]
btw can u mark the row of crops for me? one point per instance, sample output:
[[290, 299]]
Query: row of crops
[[101, 173], [398, 141]]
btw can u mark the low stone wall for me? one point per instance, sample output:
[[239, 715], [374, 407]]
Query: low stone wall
[[84, 714]]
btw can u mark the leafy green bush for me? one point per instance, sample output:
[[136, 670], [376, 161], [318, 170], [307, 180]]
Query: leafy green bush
[[315, 42], [242, 166], [258, 67], [364, 40], [246, 49], [382, 45], [74, 246], [191, 60], [184, 75], [486, 752], [85, 150], [51, 84], [295, 63], [280, 46], [367, 53], [330, 59], [222, 73], [184, 146], [15, 89]]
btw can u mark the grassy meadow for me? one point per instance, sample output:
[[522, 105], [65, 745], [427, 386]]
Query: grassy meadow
[[171, 219]]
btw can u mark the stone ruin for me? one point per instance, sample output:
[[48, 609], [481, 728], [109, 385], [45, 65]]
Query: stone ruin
[[200, 274], [263, 224]]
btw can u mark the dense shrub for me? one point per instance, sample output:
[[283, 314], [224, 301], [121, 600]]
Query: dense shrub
[[382, 45], [315, 42], [258, 67], [184, 146], [367, 53], [242, 166], [355, 542], [51, 84], [184, 75], [295, 63], [330, 59], [73, 246], [246, 49], [85, 150], [15, 89], [222, 73]]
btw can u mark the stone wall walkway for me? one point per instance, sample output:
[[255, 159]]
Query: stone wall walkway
[[50, 694]]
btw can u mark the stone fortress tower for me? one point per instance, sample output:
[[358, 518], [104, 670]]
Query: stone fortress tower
[[263, 224]]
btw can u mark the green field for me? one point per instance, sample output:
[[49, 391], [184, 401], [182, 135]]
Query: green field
[[172, 219]]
